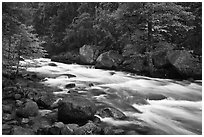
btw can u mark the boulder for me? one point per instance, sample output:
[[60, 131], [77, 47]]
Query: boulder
[[22, 131], [52, 116], [46, 100], [19, 103], [130, 50], [70, 85], [72, 127], [9, 92], [109, 60], [88, 54], [88, 129], [68, 75], [56, 128], [160, 53], [135, 63], [136, 100], [24, 121], [96, 92], [132, 132], [152, 96], [7, 108], [185, 64], [110, 112], [52, 64], [6, 129], [159, 59], [17, 96], [75, 109], [40, 125], [7, 117], [113, 131], [29, 109]]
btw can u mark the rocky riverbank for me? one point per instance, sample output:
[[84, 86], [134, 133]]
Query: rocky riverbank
[[54, 98], [30, 108], [167, 61]]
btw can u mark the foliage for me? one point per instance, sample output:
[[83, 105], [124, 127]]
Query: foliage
[[108, 25], [19, 39]]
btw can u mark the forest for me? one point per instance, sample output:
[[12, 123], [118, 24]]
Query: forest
[[153, 39], [140, 32]]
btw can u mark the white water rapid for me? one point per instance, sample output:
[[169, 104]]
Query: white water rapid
[[172, 107]]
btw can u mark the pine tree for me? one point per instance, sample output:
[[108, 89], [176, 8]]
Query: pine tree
[[19, 39]]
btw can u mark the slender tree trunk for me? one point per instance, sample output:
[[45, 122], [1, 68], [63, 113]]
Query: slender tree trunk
[[150, 43], [18, 58], [96, 21], [9, 50]]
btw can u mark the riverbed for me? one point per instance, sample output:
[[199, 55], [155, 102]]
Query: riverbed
[[166, 105]]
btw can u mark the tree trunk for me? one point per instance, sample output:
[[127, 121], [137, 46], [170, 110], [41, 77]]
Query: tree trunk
[[149, 47], [18, 58], [9, 50], [95, 22]]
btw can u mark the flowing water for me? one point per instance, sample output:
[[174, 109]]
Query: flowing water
[[168, 106]]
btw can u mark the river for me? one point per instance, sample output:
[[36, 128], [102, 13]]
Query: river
[[168, 106]]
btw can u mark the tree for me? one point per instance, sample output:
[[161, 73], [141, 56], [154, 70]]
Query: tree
[[158, 21], [19, 39], [50, 22]]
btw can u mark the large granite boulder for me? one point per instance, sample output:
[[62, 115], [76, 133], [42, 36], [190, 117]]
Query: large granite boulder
[[17, 130], [75, 109], [159, 56], [88, 129], [159, 59], [109, 60], [130, 50], [46, 100], [29, 109], [135, 63], [88, 54], [185, 64]]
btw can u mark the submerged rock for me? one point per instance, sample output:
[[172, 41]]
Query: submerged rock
[[52, 64], [75, 109], [110, 112], [68, 75], [70, 85], [155, 96], [131, 132]]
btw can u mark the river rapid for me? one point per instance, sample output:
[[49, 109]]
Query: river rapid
[[166, 105]]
